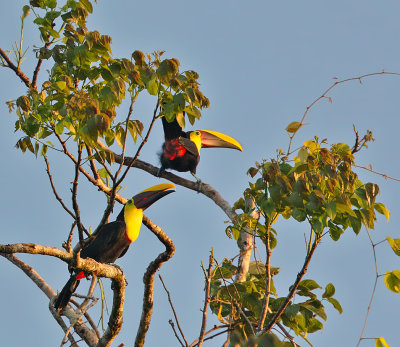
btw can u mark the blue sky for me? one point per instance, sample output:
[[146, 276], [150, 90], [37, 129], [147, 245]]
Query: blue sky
[[260, 64]]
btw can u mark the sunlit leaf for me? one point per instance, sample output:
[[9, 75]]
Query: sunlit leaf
[[392, 281], [395, 244], [336, 304], [381, 208], [293, 127], [329, 291], [380, 342]]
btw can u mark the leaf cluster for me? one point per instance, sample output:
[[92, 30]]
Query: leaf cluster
[[86, 85]]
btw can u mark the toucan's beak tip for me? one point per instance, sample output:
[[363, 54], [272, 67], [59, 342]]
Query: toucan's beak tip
[[150, 195]]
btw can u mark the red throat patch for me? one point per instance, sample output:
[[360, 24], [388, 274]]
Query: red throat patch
[[173, 149]]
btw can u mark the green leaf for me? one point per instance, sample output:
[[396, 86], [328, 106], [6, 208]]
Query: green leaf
[[380, 342], [309, 284], [60, 85], [120, 136], [329, 291], [43, 150], [334, 231], [319, 311], [392, 281], [299, 214], [293, 127], [152, 86], [107, 96], [336, 304], [395, 244], [256, 268], [135, 127], [86, 4], [381, 208], [331, 209], [314, 325], [59, 128], [342, 208]]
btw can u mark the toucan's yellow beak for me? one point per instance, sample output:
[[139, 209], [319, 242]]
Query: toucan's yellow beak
[[150, 195], [211, 138]]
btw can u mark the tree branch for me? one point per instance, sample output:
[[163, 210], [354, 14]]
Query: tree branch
[[54, 189], [268, 278], [289, 297], [207, 276], [83, 331], [148, 279], [17, 71], [175, 315]]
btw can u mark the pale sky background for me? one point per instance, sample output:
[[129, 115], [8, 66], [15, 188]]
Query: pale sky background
[[260, 64]]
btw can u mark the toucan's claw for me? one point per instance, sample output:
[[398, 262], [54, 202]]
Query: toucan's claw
[[199, 182], [159, 172]]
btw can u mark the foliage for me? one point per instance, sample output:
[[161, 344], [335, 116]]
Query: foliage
[[86, 85], [77, 107], [320, 189]]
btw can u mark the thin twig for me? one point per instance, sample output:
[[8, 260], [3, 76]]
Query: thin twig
[[368, 168], [173, 310], [69, 240], [324, 95], [171, 323], [92, 163], [37, 69], [207, 276], [74, 193], [84, 332], [289, 297], [216, 327], [374, 288], [54, 189], [267, 278], [17, 71], [234, 302]]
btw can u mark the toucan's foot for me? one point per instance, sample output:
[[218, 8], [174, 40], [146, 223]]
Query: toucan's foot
[[159, 172], [199, 182]]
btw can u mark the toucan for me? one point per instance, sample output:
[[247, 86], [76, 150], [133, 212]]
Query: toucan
[[113, 239], [181, 150]]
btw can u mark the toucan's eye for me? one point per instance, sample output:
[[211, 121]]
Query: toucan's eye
[[197, 132], [130, 201]]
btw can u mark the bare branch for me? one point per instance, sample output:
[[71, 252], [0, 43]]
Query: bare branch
[[374, 288], [207, 276], [17, 71], [324, 95], [148, 279], [289, 297], [92, 163], [267, 279], [216, 327], [378, 173], [54, 189], [83, 331], [37, 69], [175, 315], [74, 193]]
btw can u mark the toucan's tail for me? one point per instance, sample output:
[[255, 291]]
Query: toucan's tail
[[66, 293]]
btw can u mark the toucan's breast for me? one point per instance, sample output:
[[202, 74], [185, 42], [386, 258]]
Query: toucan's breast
[[173, 149]]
